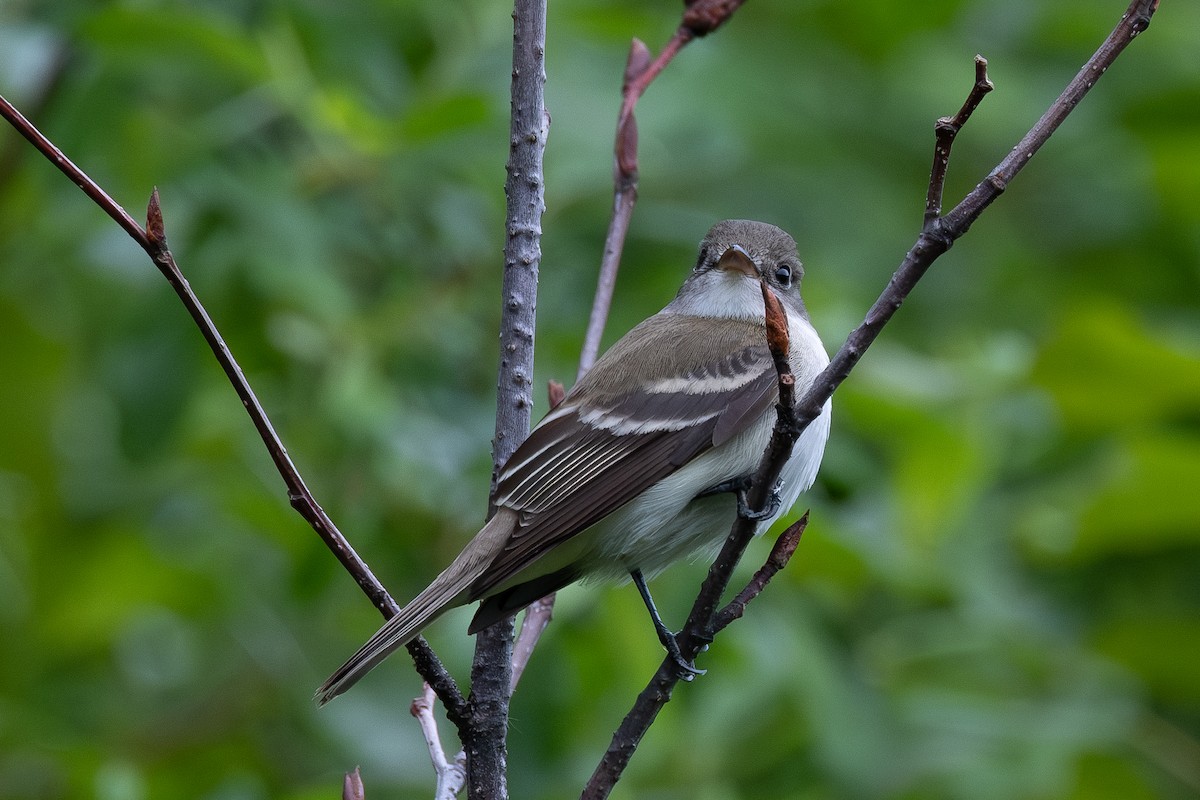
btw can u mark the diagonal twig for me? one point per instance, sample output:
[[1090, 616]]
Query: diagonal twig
[[152, 239], [937, 236], [781, 552]]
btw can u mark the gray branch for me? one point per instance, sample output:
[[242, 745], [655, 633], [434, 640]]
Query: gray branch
[[491, 671]]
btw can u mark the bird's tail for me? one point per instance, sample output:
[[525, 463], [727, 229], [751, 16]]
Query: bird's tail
[[447, 591]]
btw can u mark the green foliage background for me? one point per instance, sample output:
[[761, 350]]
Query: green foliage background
[[999, 595]]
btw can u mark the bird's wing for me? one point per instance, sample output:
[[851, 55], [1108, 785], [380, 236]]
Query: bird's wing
[[603, 446]]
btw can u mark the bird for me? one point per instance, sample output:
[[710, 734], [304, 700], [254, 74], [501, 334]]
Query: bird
[[631, 471]]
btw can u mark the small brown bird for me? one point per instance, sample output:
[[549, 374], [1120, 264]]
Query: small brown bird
[[617, 480]]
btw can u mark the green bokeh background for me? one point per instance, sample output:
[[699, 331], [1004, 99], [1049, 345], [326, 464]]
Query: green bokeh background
[[999, 594]]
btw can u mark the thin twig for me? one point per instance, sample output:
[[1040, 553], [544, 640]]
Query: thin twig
[[936, 237], [934, 240], [781, 553], [451, 775], [533, 623], [625, 179], [152, 239], [945, 130], [700, 18]]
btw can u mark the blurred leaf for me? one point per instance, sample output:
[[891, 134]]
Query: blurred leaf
[[1149, 502], [1160, 650], [1106, 371]]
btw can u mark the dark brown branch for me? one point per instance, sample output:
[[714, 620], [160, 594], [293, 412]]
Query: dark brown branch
[[153, 241], [945, 130], [937, 236], [935, 239], [785, 546], [697, 631], [700, 18]]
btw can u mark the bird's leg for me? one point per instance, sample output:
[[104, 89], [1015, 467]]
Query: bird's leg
[[739, 486], [668, 639]]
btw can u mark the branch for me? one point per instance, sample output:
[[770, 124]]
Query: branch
[[945, 130], [537, 616], [491, 670], [697, 631], [935, 238], [782, 552], [451, 775], [938, 235], [700, 18], [153, 240]]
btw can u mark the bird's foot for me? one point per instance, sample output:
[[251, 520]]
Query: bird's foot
[[773, 502], [687, 669]]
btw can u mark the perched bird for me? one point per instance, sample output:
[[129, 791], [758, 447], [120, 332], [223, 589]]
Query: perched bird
[[629, 473]]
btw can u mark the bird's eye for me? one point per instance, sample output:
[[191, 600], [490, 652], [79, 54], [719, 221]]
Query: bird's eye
[[783, 274], [703, 259]]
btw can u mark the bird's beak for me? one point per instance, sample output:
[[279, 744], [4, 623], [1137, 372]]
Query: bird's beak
[[735, 259]]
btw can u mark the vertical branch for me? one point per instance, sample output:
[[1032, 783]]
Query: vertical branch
[[523, 230], [491, 671]]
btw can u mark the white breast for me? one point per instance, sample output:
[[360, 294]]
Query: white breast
[[665, 523]]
